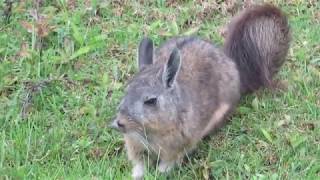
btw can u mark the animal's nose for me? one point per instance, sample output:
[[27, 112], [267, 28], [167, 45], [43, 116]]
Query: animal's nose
[[120, 124]]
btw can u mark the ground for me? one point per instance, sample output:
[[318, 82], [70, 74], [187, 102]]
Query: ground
[[64, 65]]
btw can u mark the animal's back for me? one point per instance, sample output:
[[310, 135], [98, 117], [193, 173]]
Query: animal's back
[[207, 77]]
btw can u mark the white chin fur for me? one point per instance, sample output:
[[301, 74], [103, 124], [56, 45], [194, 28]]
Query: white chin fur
[[137, 172], [165, 166]]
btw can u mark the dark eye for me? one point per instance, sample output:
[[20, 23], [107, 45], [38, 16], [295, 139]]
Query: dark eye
[[151, 101]]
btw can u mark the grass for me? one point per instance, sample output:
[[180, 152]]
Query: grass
[[63, 66]]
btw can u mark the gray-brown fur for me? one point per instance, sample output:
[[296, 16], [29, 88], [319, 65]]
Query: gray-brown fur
[[258, 40], [185, 88]]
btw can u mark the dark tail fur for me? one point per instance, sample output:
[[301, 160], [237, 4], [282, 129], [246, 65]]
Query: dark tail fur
[[258, 41]]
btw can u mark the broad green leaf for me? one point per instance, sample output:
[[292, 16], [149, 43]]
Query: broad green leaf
[[174, 28], [296, 140], [244, 110], [255, 103], [155, 25], [2, 50], [81, 51], [267, 135], [77, 35], [99, 38], [191, 31]]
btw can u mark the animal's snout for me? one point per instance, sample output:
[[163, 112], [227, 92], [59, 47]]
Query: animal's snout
[[118, 124]]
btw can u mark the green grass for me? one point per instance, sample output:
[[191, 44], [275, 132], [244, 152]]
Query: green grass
[[60, 85]]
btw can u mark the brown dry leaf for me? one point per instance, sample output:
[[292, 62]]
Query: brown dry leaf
[[87, 81], [28, 26], [118, 7], [271, 159], [21, 7], [277, 84], [88, 3], [115, 50], [41, 27], [230, 4], [78, 65], [71, 4], [26, 110], [317, 16], [308, 126], [23, 52], [96, 153], [118, 11], [172, 3]]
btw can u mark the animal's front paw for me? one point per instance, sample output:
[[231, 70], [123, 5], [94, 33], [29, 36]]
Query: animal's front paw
[[137, 172], [165, 166]]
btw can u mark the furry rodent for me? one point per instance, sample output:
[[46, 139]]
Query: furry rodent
[[186, 88]]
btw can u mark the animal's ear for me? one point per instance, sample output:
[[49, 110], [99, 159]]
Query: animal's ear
[[171, 69], [145, 53]]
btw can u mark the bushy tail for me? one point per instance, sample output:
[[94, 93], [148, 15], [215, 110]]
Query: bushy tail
[[258, 41]]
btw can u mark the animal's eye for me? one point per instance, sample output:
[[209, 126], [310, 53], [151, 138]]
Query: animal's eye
[[151, 101]]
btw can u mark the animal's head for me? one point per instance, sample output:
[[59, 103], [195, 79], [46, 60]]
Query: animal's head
[[152, 97]]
